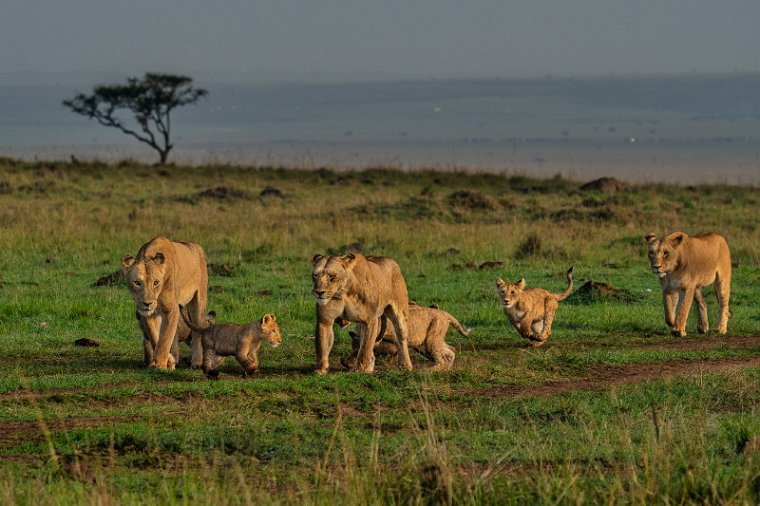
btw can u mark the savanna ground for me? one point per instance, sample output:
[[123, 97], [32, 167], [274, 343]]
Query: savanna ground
[[611, 410]]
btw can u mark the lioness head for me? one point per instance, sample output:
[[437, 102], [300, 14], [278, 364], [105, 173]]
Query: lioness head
[[270, 330], [509, 293], [664, 253], [145, 280], [330, 275]]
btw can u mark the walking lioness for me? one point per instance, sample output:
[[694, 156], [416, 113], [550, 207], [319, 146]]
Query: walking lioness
[[685, 265], [359, 289], [531, 311], [164, 275]]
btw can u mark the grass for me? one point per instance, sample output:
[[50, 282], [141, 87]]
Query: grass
[[611, 410]]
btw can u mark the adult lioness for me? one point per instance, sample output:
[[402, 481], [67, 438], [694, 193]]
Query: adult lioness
[[685, 265], [361, 290], [427, 333], [531, 311], [164, 275]]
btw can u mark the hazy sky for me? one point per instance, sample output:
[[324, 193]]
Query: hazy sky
[[68, 40]]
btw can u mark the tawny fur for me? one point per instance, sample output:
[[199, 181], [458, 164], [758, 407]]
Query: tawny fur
[[183, 335], [221, 340], [359, 289], [162, 277], [427, 333], [531, 311], [686, 264]]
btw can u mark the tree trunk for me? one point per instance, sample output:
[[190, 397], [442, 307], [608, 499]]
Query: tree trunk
[[163, 156]]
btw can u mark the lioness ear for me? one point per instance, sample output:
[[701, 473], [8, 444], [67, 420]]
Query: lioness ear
[[677, 239], [211, 316], [521, 283], [159, 258], [316, 258], [650, 238], [500, 282], [348, 260], [267, 318], [127, 261]]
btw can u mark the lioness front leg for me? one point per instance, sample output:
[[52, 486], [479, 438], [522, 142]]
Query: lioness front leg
[[323, 341], [669, 302], [151, 327], [367, 332], [166, 337], [147, 351], [398, 318], [685, 299], [196, 309]]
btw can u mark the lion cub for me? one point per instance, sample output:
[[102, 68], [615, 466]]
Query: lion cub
[[427, 330], [531, 310], [242, 341]]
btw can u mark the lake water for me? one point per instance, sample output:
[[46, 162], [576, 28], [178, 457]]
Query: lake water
[[689, 129]]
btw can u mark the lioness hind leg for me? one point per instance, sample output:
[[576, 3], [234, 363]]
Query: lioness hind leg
[[703, 325]]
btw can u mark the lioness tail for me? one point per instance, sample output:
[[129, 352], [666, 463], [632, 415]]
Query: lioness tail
[[566, 293]]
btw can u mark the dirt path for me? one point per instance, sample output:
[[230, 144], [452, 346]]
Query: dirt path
[[604, 376], [598, 376]]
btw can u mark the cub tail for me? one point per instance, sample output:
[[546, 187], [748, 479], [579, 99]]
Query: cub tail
[[566, 293], [464, 331]]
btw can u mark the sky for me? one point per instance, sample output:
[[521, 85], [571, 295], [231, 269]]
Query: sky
[[43, 41]]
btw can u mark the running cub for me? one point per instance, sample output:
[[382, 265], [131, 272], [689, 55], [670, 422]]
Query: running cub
[[220, 340], [531, 310]]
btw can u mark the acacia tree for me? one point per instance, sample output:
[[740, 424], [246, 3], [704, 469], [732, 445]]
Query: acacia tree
[[150, 100]]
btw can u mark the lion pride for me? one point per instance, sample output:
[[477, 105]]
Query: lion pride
[[164, 275], [685, 265], [359, 289]]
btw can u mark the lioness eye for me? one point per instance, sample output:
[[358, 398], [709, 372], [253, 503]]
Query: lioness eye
[[332, 277], [155, 283], [136, 283], [666, 254]]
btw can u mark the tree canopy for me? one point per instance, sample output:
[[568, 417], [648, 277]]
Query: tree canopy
[[150, 100]]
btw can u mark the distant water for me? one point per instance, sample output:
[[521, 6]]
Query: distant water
[[688, 129]]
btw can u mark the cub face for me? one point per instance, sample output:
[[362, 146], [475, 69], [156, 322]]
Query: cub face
[[329, 276], [270, 330], [664, 253], [509, 293], [145, 280]]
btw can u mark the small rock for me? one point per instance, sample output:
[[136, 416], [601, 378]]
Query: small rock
[[88, 343], [271, 191], [605, 185]]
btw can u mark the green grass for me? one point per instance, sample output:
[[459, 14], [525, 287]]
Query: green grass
[[587, 418]]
